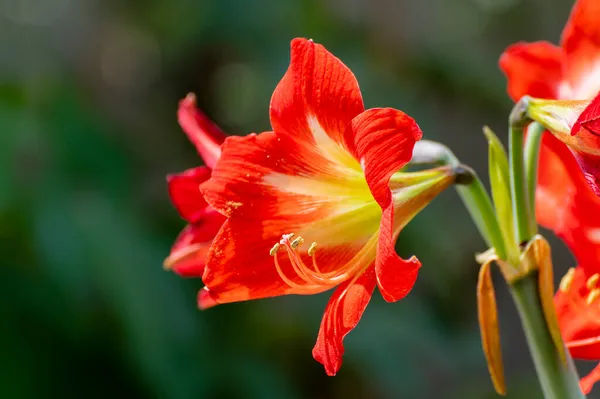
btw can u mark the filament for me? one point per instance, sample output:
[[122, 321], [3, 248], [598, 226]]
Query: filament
[[309, 277]]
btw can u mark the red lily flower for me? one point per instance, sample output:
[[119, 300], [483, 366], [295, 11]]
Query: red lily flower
[[568, 72], [327, 172], [188, 254]]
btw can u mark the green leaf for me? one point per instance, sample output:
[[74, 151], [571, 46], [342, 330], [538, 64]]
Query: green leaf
[[500, 182]]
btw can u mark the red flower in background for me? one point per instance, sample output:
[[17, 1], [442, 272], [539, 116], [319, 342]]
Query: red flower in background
[[568, 72], [568, 206], [566, 199], [578, 308], [188, 254], [328, 172]]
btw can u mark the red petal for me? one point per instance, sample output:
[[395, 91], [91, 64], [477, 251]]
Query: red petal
[[188, 261], [240, 183], [589, 380], [581, 43], [203, 133], [184, 190], [316, 86], [586, 149], [188, 254], [589, 120], [566, 204], [590, 166], [579, 321], [395, 276], [239, 266], [384, 140], [532, 68], [205, 301], [343, 312]]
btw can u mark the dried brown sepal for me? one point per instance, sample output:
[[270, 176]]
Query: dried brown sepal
[[488, 324], [509, 271], [538, 252]]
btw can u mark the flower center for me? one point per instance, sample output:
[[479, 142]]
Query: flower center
[[309, 277], [593, 292]]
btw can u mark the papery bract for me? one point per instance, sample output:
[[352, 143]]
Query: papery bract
[[188, 254], [327, 173]]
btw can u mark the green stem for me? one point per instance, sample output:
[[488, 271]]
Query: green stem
[[518, 193], [533, 141], [558, 380], [474, 196], [478, 204]]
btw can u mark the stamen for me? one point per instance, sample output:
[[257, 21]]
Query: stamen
[[297, 242], [592, 281], [307, 278], [592, 296], [312, 249], [567, 280], [275, 249]]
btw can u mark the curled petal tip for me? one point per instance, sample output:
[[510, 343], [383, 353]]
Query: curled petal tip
[[205, 301], [190, 99], [202, 132], [168, 263]]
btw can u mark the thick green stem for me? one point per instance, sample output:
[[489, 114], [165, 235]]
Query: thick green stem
[[474, 196], [518, 193], [533, 141], [479, 205], [558, 380]]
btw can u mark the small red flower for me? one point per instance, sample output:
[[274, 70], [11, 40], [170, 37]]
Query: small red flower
[[188, 254], [568, 72], [328, 172]]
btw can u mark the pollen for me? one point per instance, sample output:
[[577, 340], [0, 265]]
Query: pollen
[[592, 281], [593, 295], [274, 250], [300, 270], [567, 280], [296, 243], [312, 249]]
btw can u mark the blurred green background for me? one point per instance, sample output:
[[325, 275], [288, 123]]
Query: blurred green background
[[88, 131]]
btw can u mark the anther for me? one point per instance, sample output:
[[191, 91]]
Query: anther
[[593, 295], [592, 281], [312, 249], [567, 280], [274, 250], [297, 241]]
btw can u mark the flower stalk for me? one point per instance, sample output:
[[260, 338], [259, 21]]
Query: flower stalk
[[533, 141], [520, 201], [473, 193], [558, 378], [530, 275]]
